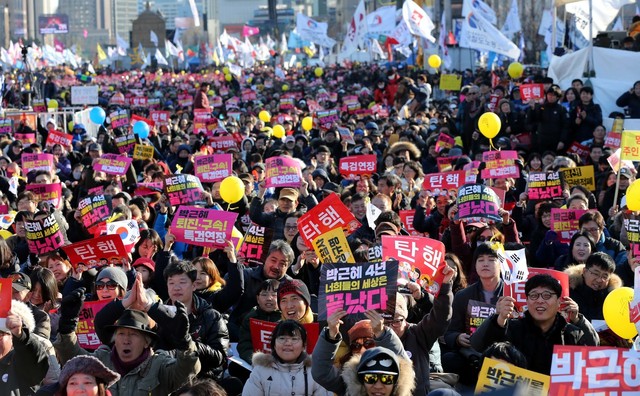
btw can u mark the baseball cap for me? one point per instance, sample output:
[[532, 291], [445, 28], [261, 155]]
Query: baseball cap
[[20, 281], [289, 193]]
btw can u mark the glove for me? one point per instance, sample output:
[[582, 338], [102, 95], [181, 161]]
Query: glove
[[181, 327], [173, 325], [70, 310]]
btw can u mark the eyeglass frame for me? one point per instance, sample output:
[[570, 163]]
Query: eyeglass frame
[[530, 296], [356, 346], [390, 379], [109, 285], [600, 276]]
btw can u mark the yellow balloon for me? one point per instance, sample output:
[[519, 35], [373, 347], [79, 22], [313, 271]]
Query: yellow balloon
[[231, 189], [318, 72], [264, 116], [53, 104], [616, 312], [307, 123], [70, 125], [227, 77], [633, 196], [278, 131], [489, 125], [285, 87], [434, 61], [225, 70], [210, 93], [515, 70], [235, 233]]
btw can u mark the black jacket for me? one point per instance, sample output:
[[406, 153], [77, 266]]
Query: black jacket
[[223, 299], [24, 366], [429, 224], [632, 102], [553, 124], [536, 346], [275, 220]]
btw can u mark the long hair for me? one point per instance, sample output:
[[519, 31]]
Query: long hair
[[211, 269], [48, 284]]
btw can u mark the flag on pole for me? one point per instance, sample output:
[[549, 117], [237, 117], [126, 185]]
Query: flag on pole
[[479, 34], [123, 46], [512, 22], [160, 58], [194, 11], [248, 31], [417, 20], [603, 12], [101, 55], [153, 37], [479, 7], [446, 59], [356, 30]]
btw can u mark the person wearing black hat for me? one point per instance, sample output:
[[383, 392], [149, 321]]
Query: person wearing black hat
[[130, 351], [379, 371], [551, 120]]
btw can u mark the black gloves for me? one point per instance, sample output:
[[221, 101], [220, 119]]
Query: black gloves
[[174, 328], [70, 310]]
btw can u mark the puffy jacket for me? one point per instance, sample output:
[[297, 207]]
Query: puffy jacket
[[159, 375], [270, 377], [590, 301], [631, 101], [553, 123], [24, 366], [405, 385], [536, 346]]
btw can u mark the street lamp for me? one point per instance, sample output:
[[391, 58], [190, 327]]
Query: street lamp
[[6, 26]]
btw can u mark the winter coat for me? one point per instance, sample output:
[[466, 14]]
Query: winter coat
[[405, 384], [625, 273], [159, 375], [224, 298], [631, 101], [536, 346], [275, 220], [429, 224], [245, 345], [584, 130], [553, 125], [590, 301], [272, 378]]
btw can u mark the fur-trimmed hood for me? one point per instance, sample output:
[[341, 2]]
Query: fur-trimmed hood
[[404, 387], [267, 360], [24, 312], [576, 279], [400, 146]]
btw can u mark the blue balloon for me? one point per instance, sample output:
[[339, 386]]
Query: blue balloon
[[141, 129], [97, 115]]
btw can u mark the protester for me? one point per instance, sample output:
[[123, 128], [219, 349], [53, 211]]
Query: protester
[[87, 376], [379, 371]]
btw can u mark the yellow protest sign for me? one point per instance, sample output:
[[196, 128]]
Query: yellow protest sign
[[580, 176], [630, 145], [332, 247], [450, 82], [496, 374], [142, 152]]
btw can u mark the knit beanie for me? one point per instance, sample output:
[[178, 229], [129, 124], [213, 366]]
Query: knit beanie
[[115, 274], [294, 286], [88, 365], [361, 329]]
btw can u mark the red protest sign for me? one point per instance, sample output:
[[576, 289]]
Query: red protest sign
[[97, 252], [406, 216], [282, 172], [160, 117], [577, 369], [255, 245], [531, 91], [444, 142], [211, 168], [499, 164], [44, 235], [565, 222], [6, 290], [421, 260], [138, 101], [183, 190], [58, 137], [47, 193], [327, 215], [444, 183], [579, 149], [261, 331], [613, 139], [356, 166], [203, 227], [222, 143], [493, 102], [94, 209], [36, 162], [85, 331], [516, 290], [112, 164], [135, 118]]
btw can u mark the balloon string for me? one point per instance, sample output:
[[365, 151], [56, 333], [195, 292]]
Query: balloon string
[[491, 144]]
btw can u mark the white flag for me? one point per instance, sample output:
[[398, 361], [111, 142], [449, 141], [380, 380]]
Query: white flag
[[372, 215], [418, 21], [153, 37], [477, 33], [171, 49], [603, 11], [382, 20], [512, 22], [377, 49], [355, 31], [160, 58], [194, 11], [123, 46], [308, 28], [401, 33], [479, 7], [283, 44], [442, 37]]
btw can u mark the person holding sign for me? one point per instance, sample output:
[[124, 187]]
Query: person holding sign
[[542, 326]]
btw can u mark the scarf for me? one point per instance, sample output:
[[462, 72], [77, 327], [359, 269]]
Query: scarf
[[123, 368]]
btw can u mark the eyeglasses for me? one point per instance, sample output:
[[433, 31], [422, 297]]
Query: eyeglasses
[[603, 276], [545, 295], [367, 344], [386, 379], [288, 340], [290, 228], [394, 322], [111, 285]]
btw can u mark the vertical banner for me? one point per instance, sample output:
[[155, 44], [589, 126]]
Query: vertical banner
[[43, 236], [282, 172], [255, 245], [330, 213], [497, 374], [477, 202], [97, 252], [261, 331], [183, 190], [332, 247], [565, 222], [203, 227], [357, 288], [213, 168]]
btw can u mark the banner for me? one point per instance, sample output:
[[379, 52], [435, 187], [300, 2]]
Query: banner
[[97, 252], [6, 291], [544, 185], [282, 172], [357, 288], [381, 21], [325, 216], [497, 374], [630, 145], [356, 30], [565, 222], [261, 331], [94, 209], [406, 216], [160, 117], [213, 168], [417, 20], [127, 230], [478, 33], [112, 164], [37, 162], [43, 236], [308, 28], [119, 118], [61, 138], [575, 369], [143, 152], [444, 183], [332, 247], [477, 202], [500, 164], [356, 166], [138, 101], [477, 313], [579, 176], [203, 227], [38, 105], [255, 245], [84, 95], [450, 82], [183, 190], [326, 118], [222, 143], [531, 91], [51, 193], [516, 290], [126, 143]]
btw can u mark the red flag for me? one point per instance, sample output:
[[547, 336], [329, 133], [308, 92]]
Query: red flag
[[58, 45], [249, 31]]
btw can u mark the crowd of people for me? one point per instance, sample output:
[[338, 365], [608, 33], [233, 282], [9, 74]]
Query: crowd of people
[[176, 313]]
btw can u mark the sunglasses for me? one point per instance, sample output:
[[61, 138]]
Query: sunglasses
[[386, 379], [367, 344], [111, 285]]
